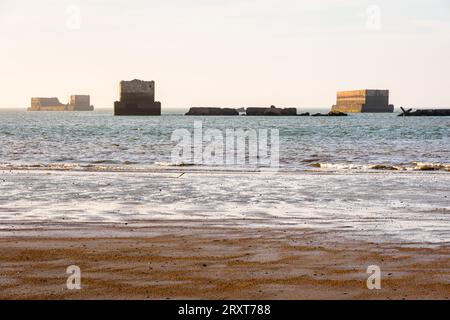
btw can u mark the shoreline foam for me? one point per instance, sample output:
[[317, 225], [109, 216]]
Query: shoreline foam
[[316, 167]]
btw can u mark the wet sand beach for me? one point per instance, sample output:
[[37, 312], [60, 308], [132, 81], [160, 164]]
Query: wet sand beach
[[205, 235], [203, 262], [386, 206]]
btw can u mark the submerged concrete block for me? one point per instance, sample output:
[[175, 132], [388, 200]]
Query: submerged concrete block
[[331, 114], [212, 112], [426, 113], [272, 111]]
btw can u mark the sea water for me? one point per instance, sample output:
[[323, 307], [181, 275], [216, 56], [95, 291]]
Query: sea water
[[360, 141], [371, 176]]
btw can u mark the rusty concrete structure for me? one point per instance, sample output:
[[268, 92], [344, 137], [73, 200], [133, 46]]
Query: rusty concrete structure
[[76, 103], [137, 98], [272, 111], [363, 101], [212, 112]]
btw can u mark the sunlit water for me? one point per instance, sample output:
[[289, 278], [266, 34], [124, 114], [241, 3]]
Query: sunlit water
[[346, 193], [97, 138]]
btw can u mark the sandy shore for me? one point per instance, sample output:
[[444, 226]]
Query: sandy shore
[[198, 261]]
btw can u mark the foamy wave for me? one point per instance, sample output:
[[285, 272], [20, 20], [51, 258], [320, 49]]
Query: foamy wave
[[127, 166], [66, 167], [430, 166], [339, 166], [415, 166]]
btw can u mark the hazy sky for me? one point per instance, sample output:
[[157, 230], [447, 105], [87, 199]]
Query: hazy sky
[[226, 52]]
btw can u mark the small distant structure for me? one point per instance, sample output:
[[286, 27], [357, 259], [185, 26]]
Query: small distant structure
[[272, 111], [212, 112], [76, 103], [137, 98], [80, 103], [363, 101]]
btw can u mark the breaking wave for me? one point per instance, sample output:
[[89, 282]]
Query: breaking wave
[[414, 166], [129, 166]]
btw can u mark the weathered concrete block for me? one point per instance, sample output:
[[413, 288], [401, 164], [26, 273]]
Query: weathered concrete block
[[331, 114], [80, 103], [272, 111], [76, 103], [137, 98], [212, 112], [376, 101], [427, 113]]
